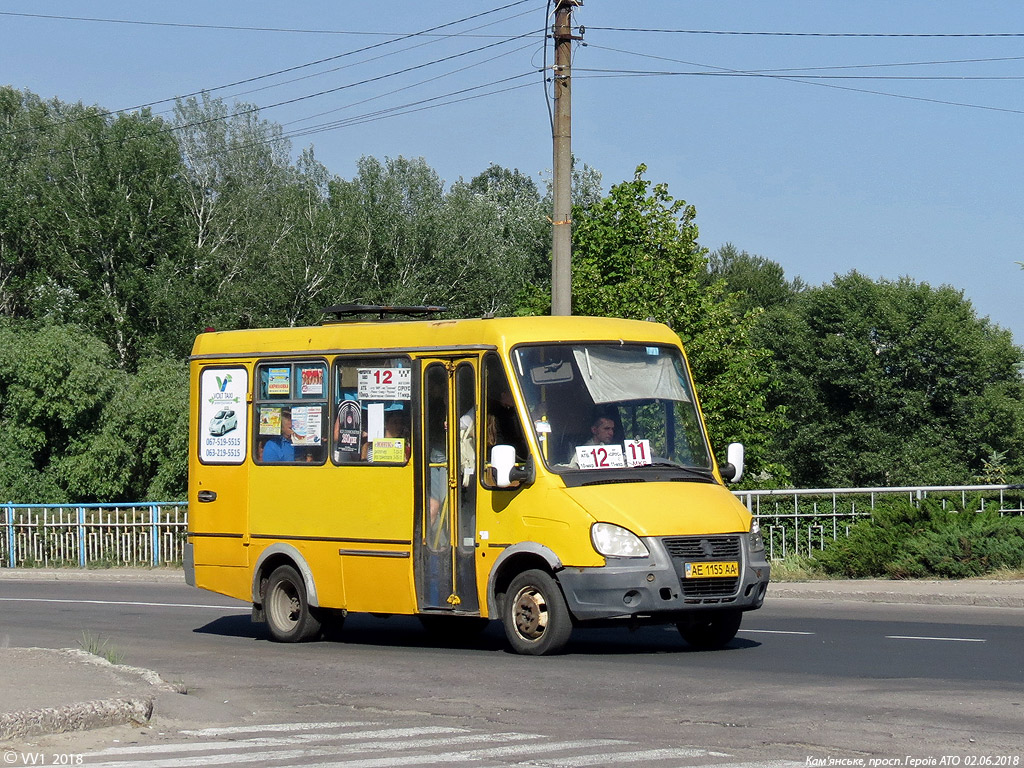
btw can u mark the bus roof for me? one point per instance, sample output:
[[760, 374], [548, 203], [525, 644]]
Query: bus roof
[[426, 335]]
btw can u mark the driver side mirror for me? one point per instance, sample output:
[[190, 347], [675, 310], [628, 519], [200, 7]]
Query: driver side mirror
[[733, 469], [503, 461]]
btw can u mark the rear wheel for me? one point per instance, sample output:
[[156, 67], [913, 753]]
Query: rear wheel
[[536, 619], [711, 630], [289, 616]]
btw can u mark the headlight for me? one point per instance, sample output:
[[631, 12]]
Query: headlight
[[756, 540], [615, 541]]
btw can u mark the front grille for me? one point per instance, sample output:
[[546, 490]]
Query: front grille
[[695, 549], [703, 547], [709, 587]]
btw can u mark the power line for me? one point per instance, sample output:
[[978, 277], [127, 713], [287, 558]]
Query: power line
[[809, 34], [798, 80], [284, 71], [794, 75], [938, 62], [227, 27], [297, 99]]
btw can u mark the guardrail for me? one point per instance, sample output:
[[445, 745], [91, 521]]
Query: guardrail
[[84, 535], [799, 521], [793, 521]]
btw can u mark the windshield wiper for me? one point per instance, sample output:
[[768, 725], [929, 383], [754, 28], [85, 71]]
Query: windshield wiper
[[698, 471]]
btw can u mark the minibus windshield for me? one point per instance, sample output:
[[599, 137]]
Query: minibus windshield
[[611, 406]]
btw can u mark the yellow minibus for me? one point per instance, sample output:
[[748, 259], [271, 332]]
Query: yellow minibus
[[547, 472]]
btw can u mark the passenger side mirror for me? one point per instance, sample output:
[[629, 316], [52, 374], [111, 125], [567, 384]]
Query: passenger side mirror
[[733, 469], [503, 462]]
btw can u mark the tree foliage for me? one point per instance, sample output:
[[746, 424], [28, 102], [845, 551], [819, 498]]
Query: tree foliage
[[635, 254], [891, 383]]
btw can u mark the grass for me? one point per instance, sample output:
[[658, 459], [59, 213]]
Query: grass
[[802, 568], [101, 647]]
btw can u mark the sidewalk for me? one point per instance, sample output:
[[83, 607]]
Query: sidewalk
[[53, 691]]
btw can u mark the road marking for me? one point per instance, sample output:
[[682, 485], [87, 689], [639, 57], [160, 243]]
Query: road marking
[[946, 639], [234, 758], [123, 602], [384, 740], [607, 758], [256, 728], [774, 632]]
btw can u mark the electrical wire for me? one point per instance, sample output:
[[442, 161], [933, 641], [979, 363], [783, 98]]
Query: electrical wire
[[295, 100], [795, 79], [282, 71], [812, 34], [230, 27]]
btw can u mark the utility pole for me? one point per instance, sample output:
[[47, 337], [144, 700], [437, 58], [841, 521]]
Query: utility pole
[[561, 138]]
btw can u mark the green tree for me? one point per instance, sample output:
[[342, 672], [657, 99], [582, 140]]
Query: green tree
[[636, 255], [759, 282], [138, 446], [90, 209], [893, 382], [54, 382]]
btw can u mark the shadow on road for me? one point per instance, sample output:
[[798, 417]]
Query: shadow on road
[[408, 632]]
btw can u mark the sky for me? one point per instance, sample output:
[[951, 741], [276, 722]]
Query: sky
[[828, 136]]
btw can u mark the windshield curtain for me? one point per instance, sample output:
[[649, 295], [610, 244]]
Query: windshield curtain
[[597, 406]]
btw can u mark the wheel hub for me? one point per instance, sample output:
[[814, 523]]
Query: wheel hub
[[531, 614]]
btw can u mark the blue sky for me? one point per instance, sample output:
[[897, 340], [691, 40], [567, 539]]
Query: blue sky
[[821, 175]]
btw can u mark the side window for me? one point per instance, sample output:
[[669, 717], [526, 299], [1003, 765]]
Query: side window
[[372, 411], [502, 425], [291, 412]]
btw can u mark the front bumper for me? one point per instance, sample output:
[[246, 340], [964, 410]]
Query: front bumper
[[654, 587]]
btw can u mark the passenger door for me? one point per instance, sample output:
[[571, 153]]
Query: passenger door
[[445, 543]]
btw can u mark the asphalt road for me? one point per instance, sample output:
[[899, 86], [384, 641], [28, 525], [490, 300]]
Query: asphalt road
[[804, 678]]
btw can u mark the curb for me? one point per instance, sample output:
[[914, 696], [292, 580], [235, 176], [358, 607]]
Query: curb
[[75, 717], [96, 713], [141, 575]]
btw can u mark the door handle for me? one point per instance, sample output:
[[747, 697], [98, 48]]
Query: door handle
[[205, 496]]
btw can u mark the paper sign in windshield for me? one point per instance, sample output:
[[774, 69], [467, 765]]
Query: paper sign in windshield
[[385, 383], [600, 456]]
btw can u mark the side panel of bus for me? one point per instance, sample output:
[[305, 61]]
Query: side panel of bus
[[219, 466]]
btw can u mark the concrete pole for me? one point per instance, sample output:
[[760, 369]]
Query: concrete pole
[[561, 135]]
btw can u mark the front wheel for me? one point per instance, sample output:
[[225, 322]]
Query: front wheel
[[536, 619], [711, 630], [289, 616]]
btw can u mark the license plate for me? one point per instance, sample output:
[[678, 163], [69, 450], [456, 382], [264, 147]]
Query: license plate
[[712, 570]]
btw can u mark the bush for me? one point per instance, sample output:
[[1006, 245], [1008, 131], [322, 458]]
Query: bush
[[903, 541]]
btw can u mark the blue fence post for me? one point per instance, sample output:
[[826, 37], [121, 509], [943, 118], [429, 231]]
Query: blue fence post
[[154, 521], [81, 537], [11, 559]]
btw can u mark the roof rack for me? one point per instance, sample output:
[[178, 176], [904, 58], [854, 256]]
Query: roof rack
[[343, 311]]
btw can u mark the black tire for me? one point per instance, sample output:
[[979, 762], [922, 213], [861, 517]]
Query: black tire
[[289, 616], [536, 619], [710, 630]]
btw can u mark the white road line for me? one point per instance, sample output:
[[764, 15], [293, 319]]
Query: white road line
[[234, 758], [947, 639], [468, 756], [282, 741], [123, 602], [774, 632], [286, 727], [616, 758]]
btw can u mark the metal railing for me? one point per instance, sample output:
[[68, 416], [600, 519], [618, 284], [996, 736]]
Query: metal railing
[[794, 521], [84, 535], [799, 521]]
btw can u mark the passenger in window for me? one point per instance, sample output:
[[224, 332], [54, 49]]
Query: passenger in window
[[279, 449], [396, 425]]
